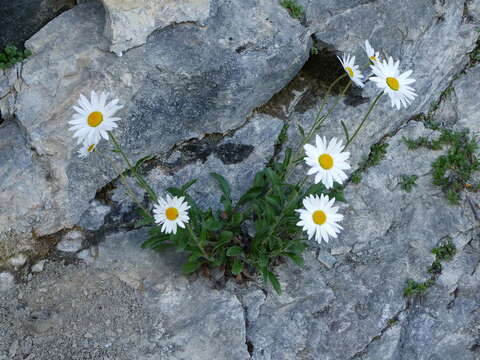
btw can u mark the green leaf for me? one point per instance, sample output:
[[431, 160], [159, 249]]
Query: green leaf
[[146, 219], [213, 224], [222, 184], [345, 130], [315, 189], [141, 161], [236, 219], [154, 240], [259, 179], [190, 267], [175, 191], [301, 130], [251, 194], [237, 267], [296, 258], [287, 158], [194, 256], [275, 283], [274, 201], [186, 186], [273, 177], [162, 246], [234, 251], [226, 236]]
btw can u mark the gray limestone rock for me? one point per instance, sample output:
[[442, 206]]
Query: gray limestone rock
[[128, 303], [71, 241], [93, 218], [343, 312], [185, 82], [23, 18], [130, 22], [238, 158]]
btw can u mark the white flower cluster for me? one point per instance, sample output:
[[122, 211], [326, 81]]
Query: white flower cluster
[[327, 160]]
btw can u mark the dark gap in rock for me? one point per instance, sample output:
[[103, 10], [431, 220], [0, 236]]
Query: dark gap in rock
[[241, 49], [23, 18], [104, 194], [312, 82], [249, 347], [230, 153]]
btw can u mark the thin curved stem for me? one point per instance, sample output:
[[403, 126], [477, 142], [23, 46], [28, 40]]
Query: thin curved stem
[[319, 120], [370, 109], [124, 181], [140, 180], [195, 238]]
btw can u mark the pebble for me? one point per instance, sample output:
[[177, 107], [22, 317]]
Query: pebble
[[18, 260], [71, 242], [326, 259], [38, 267]]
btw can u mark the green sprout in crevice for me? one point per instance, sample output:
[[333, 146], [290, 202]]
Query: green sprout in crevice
[[296, 11], [453, 171], [378, 152], [407, 182], [442, 253], [11, 55]]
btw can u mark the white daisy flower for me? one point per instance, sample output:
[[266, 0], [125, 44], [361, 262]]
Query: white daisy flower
[[94, 118], [171, 212], [85, 150], [351, 69], [396, 85], [327, 161], [320, 218], [372, 55]]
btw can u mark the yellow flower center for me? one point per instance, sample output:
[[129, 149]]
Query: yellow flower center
[[325, 161], [393, 83], [91, 148], [95, 118], [171, 213], [373, 58], [319, 217], [349, 71]]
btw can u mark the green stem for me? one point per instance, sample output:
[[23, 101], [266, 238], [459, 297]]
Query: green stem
[[370, 109], [140, 180], [195, 238], [319, 120], [124, 181]]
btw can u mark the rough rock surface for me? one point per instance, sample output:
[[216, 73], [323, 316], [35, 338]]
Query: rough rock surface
[[129, 23], [23, 18], [195, 89], [187, 81], [125, 304]]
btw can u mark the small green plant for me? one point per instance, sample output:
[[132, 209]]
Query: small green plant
[[444, 252], [407, 182], [296, 11], [453, 171], [417, 288], [356, 177], [314, 50], [378, 152], [274, 218], [11, 56]]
